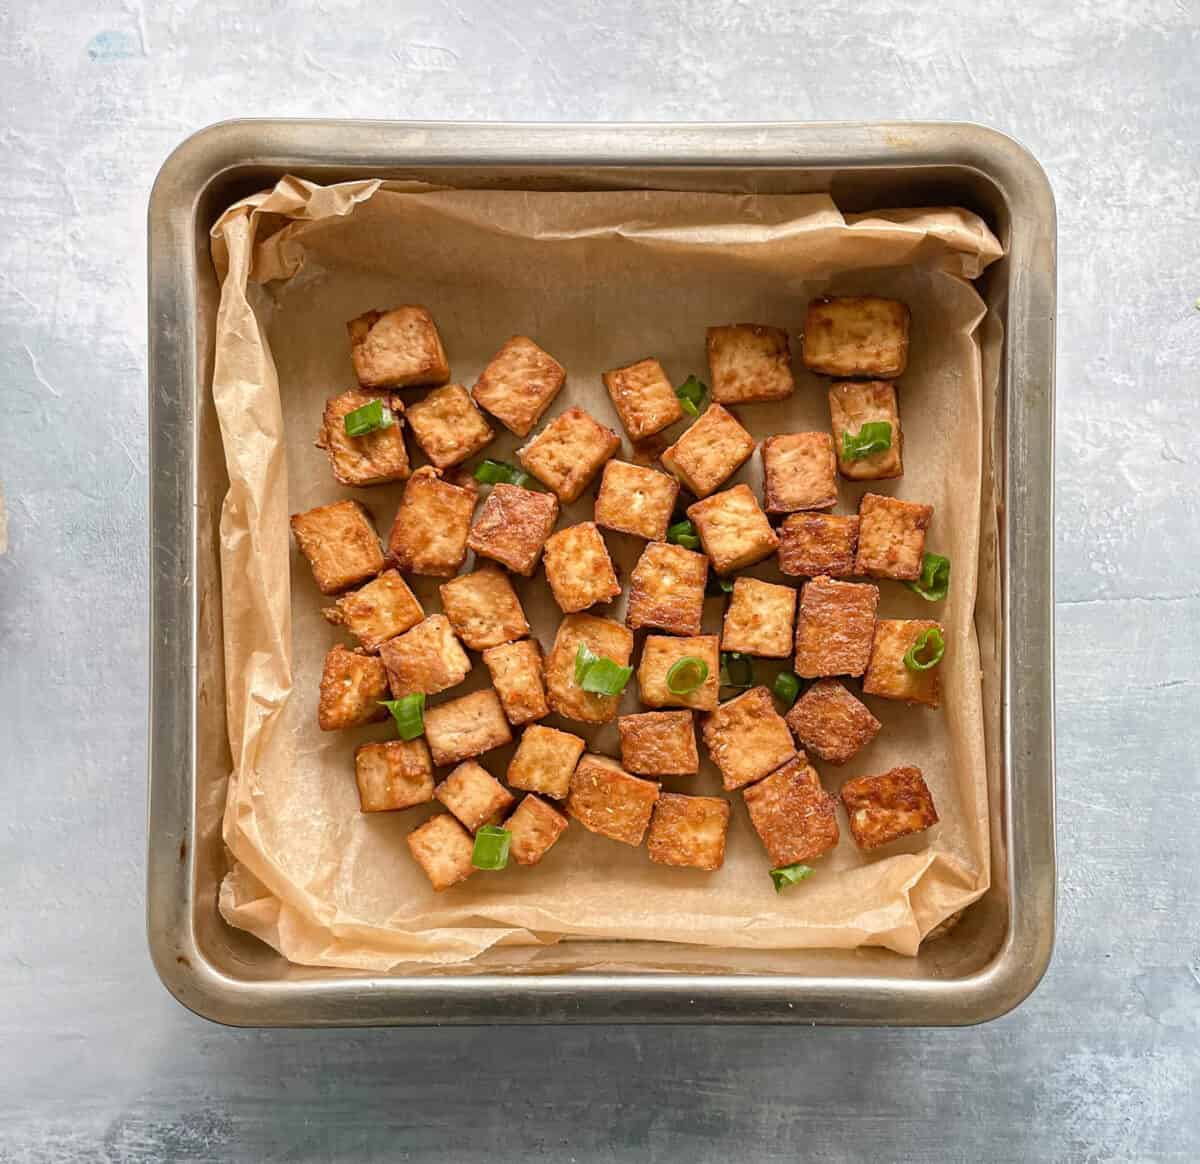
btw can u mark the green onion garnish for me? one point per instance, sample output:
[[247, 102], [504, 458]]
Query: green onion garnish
[[683, 533], [934, 583], [491, 847], [369, 418], [927, 650], [598, 674], [409, 713], [737, 670], [501, 473], [874, 437], [718, 585], [786, 687], [686, 675], [787, 875], [691, 395]]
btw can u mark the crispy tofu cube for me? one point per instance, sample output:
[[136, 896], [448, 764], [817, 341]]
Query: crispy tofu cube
[[759, 619], [544, 761], [474, 795], [353, 684], [607, 800], [363, 460], [811, 544], [661, 653], [602, 636], [535, 826], [710, 451], [448, 426], [884, 808], [659, 743], [578, 568], [666, 589], [891, 536], [853, 403], [636, 500], [426, 659], [484, 608], [749, 362], [467, 726], [733, 530], [340, 544], [793, 815], [799, 472], [887, 676], [517, 675], [443, 848], [397, 349], [856, 336], [829, 722], [429, 533], [747, 738], [834, 627], [512, 527], [569, 452], [518, 384], [644, 398], [378, 611], [689, 831], [393, 775]]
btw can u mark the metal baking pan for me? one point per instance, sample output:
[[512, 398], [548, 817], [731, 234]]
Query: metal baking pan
[[982, 967]]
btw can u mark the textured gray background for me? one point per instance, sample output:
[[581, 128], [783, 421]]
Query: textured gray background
[[97, 1062]]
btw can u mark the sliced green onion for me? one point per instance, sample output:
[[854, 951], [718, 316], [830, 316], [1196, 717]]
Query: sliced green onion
[[501, 473], [737, 670], [934, 583], [718, 585], [686, 675], [786, 687], [599, 675], [787, 875], [691, 395], [369, 418], [874, 437], [927, 650], [491, 847], [584, 658], [683, 533], [409, 713]]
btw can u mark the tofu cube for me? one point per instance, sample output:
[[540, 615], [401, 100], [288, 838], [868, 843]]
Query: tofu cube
[[428, 658], [353, 684], [661, 653], [569, 452], [888, 677], [799, 472], [578, 568], [378, 611], [710, 451], [474, 795], [607, 800], [834, 627], [512, 527], [747, 738], [517, 675], [535, 826], [429, 533], [602, 636], [484, 608], [448, 427], [733, 530], [465, 727], [666, 589], [544, 761], [830, 723], [891, 537], [340, 544], [397, 349], [795, 817], [884, 808], [749, 362], [759, 619], [393, 775], [644, 398], [363, 460], [688, 831], [853, 403], [811, 544], [443, 848], [659, 743], [856, 336], [518, 384], [636, 500]]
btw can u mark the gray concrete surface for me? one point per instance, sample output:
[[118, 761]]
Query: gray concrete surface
[[97, 1063]]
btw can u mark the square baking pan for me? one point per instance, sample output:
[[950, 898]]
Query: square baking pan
[[979, 968]]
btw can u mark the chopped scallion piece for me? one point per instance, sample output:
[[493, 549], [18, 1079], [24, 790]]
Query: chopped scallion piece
[[598, 674], [691, 395], [409, 713], [369, 418], [926, 651], [501, 473], [683, 533], [934, 583], [787, 875], [874, 437], [786, 687], [686, 675], [584, 658], [718, 585], [491, 847], [737, 670]]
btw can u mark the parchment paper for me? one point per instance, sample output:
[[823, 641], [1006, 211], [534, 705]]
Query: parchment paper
[[600, 280]]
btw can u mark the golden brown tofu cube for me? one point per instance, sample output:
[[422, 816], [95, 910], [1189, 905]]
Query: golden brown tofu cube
[[484, 608], [378, 611], [661, 653], [603, 637], [535, 826], [353, 684], [644, 398], [799, 472], [659, 743], [747, 738], [829, 722], [518, 384], [443, 848], [397, 349], [474, 795], [749, 362], [607, 800], [666, 589], [467, 726], [853, 403], [429, 534], [426, 659], [569, 452], [793, 815], [689, 831], [636, 500], [544, 761], [578, 568], [856, 336], [811, 544], [733, 530], [884, 808], [517, 675], [891, 537], [371, 459], [759, 619], [512, 527], [834, 627], [340, 544], [710, 451], [888, 677], [393, 775], [448, 427]]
